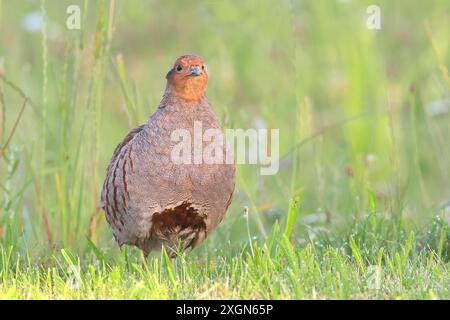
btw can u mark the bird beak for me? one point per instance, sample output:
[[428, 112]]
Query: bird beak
[[195, 71]]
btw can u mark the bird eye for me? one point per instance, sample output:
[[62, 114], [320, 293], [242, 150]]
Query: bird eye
[[179, 68], [203, 67]]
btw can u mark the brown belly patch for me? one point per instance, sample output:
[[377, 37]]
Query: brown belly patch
[[180, 225]]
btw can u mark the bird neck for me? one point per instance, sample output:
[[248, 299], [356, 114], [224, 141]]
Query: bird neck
[[172, 96]]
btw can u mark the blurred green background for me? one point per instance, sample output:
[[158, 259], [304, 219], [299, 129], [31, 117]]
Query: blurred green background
[[364, 115]]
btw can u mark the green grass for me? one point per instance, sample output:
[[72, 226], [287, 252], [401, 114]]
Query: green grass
[[371, 262], [359, 209]]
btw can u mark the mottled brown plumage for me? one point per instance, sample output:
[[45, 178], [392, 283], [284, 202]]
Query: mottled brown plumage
[[150, 201]]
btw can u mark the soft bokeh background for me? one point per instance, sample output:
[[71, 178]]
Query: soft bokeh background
[[364, 115]]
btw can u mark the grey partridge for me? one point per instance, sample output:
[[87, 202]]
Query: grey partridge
[[151, 201]]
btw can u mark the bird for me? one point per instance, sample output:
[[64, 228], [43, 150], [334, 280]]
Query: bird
[[151, 201]]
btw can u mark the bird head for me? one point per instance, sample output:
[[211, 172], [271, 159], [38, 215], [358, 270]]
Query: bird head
[[188, 78]]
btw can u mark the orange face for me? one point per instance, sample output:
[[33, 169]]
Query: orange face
[[188, 77]]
